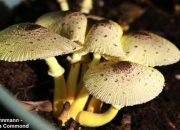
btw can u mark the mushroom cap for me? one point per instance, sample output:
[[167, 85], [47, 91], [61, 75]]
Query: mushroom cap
[[104, 38], [123, 83], [28, 41], [52, 20], [71, 25], [149, 49]]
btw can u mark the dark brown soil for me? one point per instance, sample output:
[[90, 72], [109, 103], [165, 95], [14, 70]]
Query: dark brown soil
[[29, 80]]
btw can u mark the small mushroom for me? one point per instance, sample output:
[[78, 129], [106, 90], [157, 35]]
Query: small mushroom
[[28, 41], [71, 25], [120, 84], [149, 49], [104, 38]]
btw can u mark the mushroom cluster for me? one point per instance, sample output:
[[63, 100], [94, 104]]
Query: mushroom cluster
[[124, 77]]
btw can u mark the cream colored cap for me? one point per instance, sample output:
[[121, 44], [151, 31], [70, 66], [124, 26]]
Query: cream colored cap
[[149, 49], [104, 38], [123, 83], [71, 25], [28, 41], [52, 20]]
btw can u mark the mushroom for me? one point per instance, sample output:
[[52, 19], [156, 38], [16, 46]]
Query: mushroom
[[149, 49], [71, 25], [102, 39], [120, 84], [28, 41]]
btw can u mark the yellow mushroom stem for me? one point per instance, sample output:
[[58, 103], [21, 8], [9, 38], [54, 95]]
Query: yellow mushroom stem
[[63, 5], [86, 6], [76, 57], [55, 68], [72, 82], [90, 119], [79, 104], [73, 75], [60, 92], [94, 105], [96, 60], [84, 68]]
